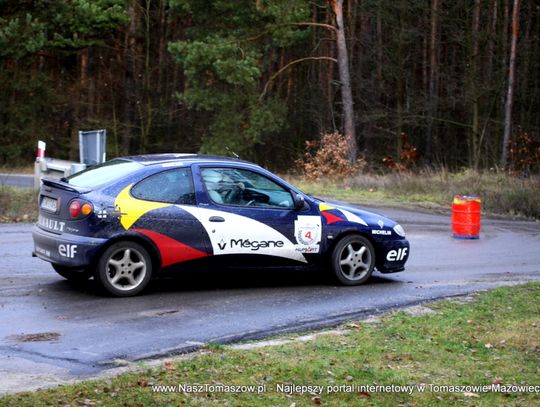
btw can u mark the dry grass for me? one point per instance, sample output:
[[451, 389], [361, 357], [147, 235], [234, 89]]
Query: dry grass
[[18, 205], [26, 169], [500, 192], [521, 335]]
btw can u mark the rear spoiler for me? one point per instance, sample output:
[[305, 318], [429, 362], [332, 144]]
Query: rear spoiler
[[49, 182]]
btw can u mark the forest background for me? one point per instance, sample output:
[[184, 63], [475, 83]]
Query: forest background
[[262, 77]]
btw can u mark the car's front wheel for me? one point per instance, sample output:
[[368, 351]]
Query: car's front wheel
[[124, 269], [73, 274], [353, 260]]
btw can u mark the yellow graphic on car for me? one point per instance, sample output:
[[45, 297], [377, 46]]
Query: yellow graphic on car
[[132, 208], [325, 207]]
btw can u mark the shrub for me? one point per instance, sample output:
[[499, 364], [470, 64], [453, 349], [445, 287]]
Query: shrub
[[523, 154], [408, 157], [328, 158]]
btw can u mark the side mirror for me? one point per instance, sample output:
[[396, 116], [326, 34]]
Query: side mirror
[[299, 202]]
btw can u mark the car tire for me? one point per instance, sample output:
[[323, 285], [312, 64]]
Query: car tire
[[124, 269], [73, 274], [353, 260]]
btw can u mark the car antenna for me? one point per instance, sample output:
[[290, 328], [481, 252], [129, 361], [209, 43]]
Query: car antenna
[[232, 152]]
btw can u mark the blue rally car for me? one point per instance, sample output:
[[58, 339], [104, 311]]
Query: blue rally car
[[128, 219]]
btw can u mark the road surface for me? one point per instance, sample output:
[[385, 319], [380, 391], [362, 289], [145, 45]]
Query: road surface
[[17, 180], [52, 330]]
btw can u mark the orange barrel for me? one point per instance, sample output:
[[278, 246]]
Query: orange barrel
[[466, 217]]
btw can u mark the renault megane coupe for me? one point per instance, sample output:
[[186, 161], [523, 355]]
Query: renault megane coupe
[[129, 219]]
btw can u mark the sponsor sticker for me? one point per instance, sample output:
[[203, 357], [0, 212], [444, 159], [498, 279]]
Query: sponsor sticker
[[67, 250], [109, 212], [43, 251], [253, 245], [242, 235], [307, 231], [397, 255], [222, 245], [102, 214], [51, 224], [381, 232], [173, 164]]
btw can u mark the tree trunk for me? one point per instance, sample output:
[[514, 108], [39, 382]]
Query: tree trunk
[[344, 77], [352, 7], [379, 48], [400, 77], [475, 132], [491, 43], [510, 92], [78, 110], [504, 73], [326, 77], [491, 96], [145, 105], [526, 52], [433, 77], [130, 81]]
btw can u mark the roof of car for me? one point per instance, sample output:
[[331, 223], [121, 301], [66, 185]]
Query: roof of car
[[150, 159]]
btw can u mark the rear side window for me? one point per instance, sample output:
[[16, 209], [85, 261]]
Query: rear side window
[[103, 173], [173, 186]]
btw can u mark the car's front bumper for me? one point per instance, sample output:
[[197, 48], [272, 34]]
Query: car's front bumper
[[65, 249], [392, 255]]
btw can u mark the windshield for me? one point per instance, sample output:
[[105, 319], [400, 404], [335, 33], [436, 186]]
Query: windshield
[[103, 173]]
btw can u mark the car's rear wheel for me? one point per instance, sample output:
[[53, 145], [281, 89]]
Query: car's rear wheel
[[73, 274], [353, 260], [124, 269]]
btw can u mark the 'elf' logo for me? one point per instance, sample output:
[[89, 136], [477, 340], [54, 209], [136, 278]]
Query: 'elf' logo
[[397, 255], [67, 250]]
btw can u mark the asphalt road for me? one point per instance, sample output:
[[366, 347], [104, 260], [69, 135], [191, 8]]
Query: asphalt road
[[17, 180], [52, 330]]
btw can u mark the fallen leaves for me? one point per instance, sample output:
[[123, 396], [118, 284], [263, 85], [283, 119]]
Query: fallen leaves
[[364, 394], [316, 400], [142, 382]]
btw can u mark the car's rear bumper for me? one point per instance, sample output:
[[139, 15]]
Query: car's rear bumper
[[392, 255], [65, 249]]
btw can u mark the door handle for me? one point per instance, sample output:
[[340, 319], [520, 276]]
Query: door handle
[[216, 219]]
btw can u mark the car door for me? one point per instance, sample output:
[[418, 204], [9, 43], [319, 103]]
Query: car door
[[251, 219], [159, 203]]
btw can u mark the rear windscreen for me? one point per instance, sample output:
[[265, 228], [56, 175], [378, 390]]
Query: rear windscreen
[[103, 173]]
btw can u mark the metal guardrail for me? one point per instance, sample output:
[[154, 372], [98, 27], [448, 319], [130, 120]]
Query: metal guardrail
[[92, 149], [53, 168]]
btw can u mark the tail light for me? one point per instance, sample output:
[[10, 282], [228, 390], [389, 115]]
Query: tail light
[[79, 209]]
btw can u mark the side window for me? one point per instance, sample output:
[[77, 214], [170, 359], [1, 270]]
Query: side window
[[173, 186], [234, 186]]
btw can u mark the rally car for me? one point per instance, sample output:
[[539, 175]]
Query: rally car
[[130, 218]]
